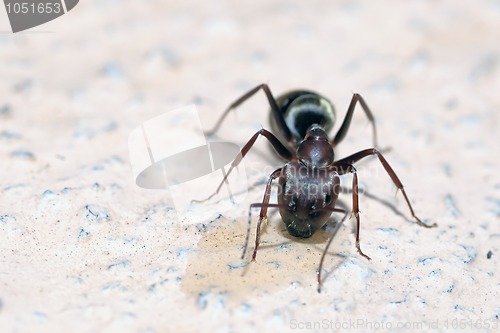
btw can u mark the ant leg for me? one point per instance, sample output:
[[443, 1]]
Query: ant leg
[[348, 117], [272, 102], [355, 210], [337, 227], [277, 145], [262, 216], [342, 167], [373, 151]]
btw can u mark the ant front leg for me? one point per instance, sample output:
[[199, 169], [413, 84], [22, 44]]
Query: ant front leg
[[262, 216], [342, 168], [355, 211], [348, 117], [272, 102], [277, 145], [369, 152]]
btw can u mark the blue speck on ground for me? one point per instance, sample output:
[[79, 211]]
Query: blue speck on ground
[[9, 135], [83, 233], [40, 316], [389, 231], [48, 194], [113, 71], [470, 255], [235, 265], [96, 213], [112, 285], [4, 219], [5, 110], [23, 153], [202, 301], [426, 260], [119, 264], [451, 205]]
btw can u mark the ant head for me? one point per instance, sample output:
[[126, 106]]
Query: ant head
[[304, 215], [306, 198]]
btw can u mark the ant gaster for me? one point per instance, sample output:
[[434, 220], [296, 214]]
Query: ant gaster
[[309, 183]]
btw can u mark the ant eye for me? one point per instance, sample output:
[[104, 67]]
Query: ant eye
[[328, 199]]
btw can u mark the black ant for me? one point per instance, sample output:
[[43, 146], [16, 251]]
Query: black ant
[[309, 183]]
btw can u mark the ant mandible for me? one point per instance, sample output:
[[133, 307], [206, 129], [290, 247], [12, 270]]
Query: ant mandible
[[309, 183]]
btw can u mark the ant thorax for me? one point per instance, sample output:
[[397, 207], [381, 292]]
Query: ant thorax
[[315, 151]]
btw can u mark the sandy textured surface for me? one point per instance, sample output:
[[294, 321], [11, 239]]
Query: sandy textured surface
[[83, 249]]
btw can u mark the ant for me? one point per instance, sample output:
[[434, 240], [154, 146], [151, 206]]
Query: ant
[[309, 183]]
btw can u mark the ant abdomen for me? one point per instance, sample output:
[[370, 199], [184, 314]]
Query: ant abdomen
[[301, 109]]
